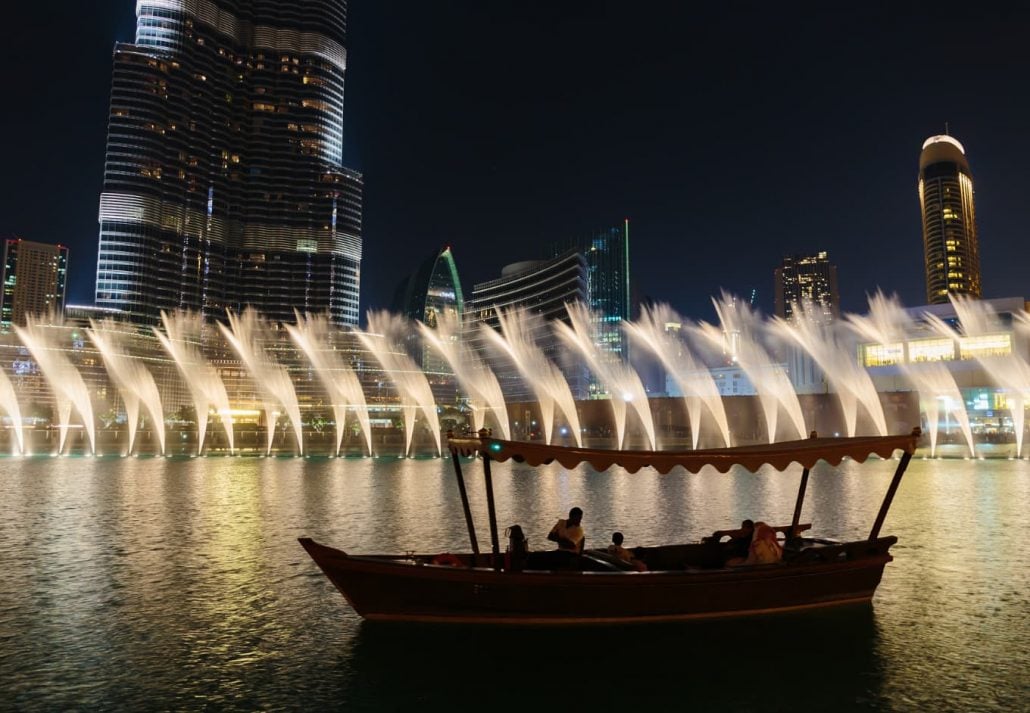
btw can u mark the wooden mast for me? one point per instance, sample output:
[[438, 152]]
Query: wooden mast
[[465, 503], [491, 509], [892, 489]]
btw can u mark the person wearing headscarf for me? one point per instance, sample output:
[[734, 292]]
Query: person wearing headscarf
[[764, 547]]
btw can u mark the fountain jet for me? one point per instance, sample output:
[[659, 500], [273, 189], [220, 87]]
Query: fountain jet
[[887, 324], [384, 331], [694, 380], [738, 336], [476, 378], [201, 379], [312, 335], [1009, 371], [9, 403], [134, 383], [245, 334], [836, 359], [543, 377], [64, 379], [622, 382]]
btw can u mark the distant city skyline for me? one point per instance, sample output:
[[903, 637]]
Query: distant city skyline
[[494, 156]]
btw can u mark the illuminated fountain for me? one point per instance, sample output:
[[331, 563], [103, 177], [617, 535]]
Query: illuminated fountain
[[888, 325], [542, 376], [134, 382], [474, 376], [313, 335], [692, 377], [836, 358], [622, 382], [1010, 371], [9, 403], [738, 336], [384, 332], [246, 335], [64, 380], [205, 386]]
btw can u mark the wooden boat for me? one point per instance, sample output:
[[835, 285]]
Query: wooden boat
[[683, 581]]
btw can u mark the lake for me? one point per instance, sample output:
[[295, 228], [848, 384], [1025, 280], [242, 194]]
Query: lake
[[161, 584]]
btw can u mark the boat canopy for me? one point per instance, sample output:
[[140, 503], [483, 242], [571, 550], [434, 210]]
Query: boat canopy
[[779, 455]]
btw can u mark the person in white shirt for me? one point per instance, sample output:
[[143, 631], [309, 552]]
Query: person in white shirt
[[568, 533]]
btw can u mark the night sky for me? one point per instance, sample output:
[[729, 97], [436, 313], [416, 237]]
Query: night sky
[[729, 134]]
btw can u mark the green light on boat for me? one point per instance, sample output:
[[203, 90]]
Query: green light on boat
[[495, 447]]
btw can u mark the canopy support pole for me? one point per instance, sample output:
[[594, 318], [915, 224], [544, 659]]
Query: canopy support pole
[[886, 505], [796, 520], [465, 506], [491, 510]]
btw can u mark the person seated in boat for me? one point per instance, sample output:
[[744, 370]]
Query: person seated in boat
[[740, 541], [764, 547], [568, 533], [615, 549]]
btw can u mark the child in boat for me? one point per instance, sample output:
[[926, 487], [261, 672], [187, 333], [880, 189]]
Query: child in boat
[[615, 549]]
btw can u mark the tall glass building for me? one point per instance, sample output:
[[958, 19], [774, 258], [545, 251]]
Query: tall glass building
[[433, 289], [542, 288], [607, 257], [224, 184], [951, 248], [809, 279], [430, 293]]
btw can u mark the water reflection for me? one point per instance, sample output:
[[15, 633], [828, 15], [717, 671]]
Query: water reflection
[[823, 661], [176, 584]]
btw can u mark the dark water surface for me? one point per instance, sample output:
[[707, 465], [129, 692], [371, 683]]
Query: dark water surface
[[155, 584]]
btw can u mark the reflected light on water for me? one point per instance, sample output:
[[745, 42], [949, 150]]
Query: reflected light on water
[[160, 583]]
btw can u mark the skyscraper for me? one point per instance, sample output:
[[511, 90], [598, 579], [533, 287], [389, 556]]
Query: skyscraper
[[809, 279], [950, 246], [434, 288], [608, 286], [543, 288], [34, 280], [430, 293], [224, 184]]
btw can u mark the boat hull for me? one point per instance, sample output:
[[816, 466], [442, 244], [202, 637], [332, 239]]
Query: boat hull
[[396, 590]]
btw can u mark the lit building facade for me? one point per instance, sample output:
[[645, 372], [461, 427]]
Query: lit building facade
[[432, 290], [807, 279], [34, 281], [969, 359], [430, 293], [224, 184], [608, 284], [950, 245], [542, 287]]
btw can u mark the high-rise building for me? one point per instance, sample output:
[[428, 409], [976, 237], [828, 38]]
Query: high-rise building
[[807, 279], [950, 246], [543, 288], [431, 292], [608, 284], [34, 281], [224, 184], [433, 289]]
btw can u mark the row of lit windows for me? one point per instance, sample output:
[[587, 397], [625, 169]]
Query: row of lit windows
[[936, 349]]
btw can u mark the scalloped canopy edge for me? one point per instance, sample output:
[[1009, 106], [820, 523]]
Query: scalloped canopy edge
[[778, 455]]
